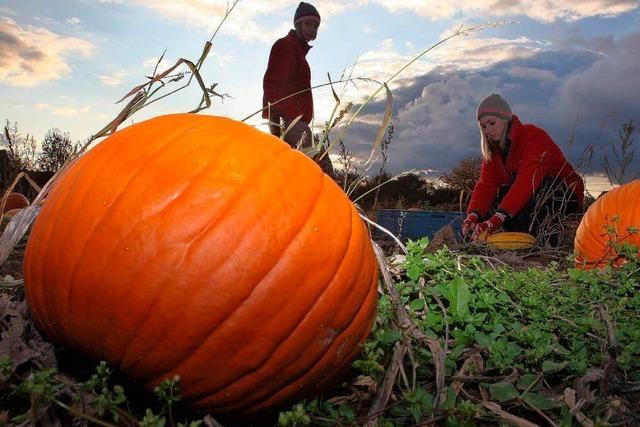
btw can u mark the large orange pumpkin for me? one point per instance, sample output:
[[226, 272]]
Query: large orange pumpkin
[[202, 247], [619, 211], [14, 201]]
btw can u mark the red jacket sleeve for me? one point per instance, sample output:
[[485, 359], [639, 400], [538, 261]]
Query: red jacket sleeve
[[535, 164], [485, 190], [280, 71]]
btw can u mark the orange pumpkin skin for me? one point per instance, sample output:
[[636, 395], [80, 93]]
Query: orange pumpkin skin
[[619, 208], [202, 247], [14, 201]]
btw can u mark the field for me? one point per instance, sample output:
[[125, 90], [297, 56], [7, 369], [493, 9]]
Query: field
[[462, 337]]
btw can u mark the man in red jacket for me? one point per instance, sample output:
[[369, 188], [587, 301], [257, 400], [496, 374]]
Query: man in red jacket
[[287, 83], [524, 175]]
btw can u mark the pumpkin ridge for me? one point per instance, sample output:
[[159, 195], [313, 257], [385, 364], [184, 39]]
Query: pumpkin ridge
[[191, 182], [266, 395], [206, 336], [78, 261], [326, 379], [292, 376], [39, 311], [54, 231], [591, 258], [46, 306], [366, 307], [296, 324], [587, 236], [259, 170]]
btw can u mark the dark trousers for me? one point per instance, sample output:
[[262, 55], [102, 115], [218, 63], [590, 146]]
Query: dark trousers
[[543, 214]]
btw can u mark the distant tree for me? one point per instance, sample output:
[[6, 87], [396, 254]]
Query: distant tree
[[464, 175], [56, 149], [17, 154], [445, 197], [619, 166], [347, 174], [405, 191], [384, 151], [20, 149]]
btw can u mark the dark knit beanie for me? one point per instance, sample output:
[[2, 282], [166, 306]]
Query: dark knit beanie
[[494, 105], [305, 11]]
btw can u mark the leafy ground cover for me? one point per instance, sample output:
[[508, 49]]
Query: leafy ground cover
[[459, 340]]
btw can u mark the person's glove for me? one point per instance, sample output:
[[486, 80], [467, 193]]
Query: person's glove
[[489, 226], [469, 224]]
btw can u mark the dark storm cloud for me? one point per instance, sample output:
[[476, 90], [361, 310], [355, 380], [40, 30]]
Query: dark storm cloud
[[581, 97]]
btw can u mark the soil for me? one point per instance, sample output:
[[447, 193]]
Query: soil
[[13, 266]]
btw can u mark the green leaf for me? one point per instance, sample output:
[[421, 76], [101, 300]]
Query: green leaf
[[20, 419], [390, 336], [484, 340], [579, 275], [459, 297], [503, 391], [424, 398], [539, 401], [414, 262], [551, 367], [480, 317], [346, 412], [417, 304], [498, 328], [450, 401], [415, 270], [416, 412], [526, 380]]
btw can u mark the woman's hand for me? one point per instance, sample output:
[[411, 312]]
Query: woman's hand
[[469, 224], [489, 226]]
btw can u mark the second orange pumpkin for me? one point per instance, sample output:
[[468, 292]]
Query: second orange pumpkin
[[610, 219]]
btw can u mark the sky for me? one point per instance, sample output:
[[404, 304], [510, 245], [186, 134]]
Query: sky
[[568, 66]]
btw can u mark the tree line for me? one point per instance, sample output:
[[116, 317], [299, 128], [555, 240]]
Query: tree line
[[22, 153]]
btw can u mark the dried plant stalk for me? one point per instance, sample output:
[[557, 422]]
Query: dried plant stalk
[[142, 96]]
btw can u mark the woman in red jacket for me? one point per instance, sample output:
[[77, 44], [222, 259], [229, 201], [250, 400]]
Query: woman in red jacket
[[524, 176]]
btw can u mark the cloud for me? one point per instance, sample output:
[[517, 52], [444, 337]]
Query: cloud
[[32, 55], [67, 111], [153, 61], [244, 22], [462, 53], [114, 79], [7, 11], [609, 86], [540, 10], [434, 124], [222, 60], [532, 73], [263, 20], [208, 14]]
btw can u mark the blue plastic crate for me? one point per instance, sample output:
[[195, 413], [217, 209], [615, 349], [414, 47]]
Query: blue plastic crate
[[416, 224]]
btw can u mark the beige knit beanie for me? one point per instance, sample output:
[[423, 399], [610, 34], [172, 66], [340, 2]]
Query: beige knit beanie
[[494, 105]]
